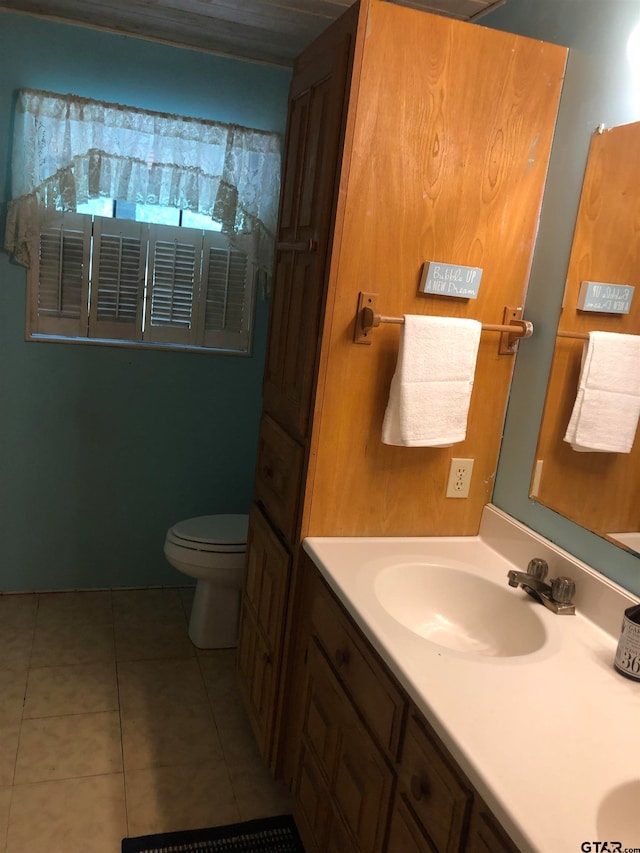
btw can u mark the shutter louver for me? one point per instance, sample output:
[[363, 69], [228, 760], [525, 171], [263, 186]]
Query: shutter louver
[[228, 302], [59, 280], [119, 261], [174, 275], [226, 284]]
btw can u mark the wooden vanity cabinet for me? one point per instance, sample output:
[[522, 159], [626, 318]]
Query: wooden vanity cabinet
[[371, 776]]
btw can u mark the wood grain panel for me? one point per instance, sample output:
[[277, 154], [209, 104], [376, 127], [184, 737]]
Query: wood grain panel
[[453, 126], [600, 491]]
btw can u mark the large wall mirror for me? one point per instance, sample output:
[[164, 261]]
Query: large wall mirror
[[600, 491]]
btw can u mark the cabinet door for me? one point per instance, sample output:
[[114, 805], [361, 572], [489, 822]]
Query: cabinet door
[[311, 805], [348, 764], [338, 840], [485, 834], [405, 833], [432, 787], [307, 202], [257, 677], [262, 626]]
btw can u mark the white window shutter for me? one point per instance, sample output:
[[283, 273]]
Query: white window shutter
[[58, 279], [173, 287], [227, 300], [117, 280], [131, 282]]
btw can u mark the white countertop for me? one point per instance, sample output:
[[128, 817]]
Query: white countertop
[[550, 739]]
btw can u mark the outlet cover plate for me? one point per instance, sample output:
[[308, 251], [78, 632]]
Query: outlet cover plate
[[459, 480]]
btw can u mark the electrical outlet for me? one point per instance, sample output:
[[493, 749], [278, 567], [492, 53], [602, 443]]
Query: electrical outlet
[[459, 478]]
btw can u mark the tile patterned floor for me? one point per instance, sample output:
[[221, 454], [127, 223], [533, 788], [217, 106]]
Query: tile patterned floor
[[113, 724]]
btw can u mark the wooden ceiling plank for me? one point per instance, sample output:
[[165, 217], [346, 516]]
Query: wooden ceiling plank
[[329, 8], [464, 9], [273, 31], [262, 16], [150, 19], [209, 35]]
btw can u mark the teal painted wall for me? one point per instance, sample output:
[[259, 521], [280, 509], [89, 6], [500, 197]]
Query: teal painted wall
[[600, 87], [102, 448]]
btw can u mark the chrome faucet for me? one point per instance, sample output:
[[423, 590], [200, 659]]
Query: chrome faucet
[[555, 595]]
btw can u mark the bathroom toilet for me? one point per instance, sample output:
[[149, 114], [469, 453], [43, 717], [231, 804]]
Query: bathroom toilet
[[212, 549]]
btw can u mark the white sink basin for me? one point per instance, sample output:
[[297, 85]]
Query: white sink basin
[[460, 611], [618, 816]]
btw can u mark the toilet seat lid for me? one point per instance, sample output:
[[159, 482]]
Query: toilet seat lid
[[212, 532]]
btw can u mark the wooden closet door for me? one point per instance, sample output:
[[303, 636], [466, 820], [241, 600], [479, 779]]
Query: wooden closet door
[[312, 160]]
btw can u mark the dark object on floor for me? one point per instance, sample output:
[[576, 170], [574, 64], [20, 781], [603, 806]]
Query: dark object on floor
[[267, 835]]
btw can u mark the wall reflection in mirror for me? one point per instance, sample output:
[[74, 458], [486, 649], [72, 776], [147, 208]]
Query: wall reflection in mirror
[[587, 464]]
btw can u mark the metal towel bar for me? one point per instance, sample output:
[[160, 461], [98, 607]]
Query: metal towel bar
[[512, 329]]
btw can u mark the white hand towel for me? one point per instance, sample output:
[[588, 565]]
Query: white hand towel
[[607, 407], [431, 389]]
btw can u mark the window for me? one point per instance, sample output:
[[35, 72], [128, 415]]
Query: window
[[139, 227], [139, 282]]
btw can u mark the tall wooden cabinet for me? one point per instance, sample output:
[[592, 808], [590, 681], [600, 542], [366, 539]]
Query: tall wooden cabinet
[[313, 150], [411, 137]]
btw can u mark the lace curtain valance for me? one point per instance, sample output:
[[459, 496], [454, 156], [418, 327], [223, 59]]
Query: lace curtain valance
[[67, 150]]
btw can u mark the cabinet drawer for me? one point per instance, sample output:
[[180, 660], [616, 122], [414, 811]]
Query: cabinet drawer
[[433, 789], [377, 697], [278, 474]]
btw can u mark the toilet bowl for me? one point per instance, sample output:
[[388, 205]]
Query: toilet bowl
[[212, 549]]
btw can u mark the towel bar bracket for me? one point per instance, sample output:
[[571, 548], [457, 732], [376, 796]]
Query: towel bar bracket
[[509, 340], [366, 318], [513, 327]]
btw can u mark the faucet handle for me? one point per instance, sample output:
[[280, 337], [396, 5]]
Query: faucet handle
[[538, 568], [562, 589]]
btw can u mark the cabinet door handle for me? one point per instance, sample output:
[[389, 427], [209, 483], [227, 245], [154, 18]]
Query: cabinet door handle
[[419, 788], [341, 657], [266, 658]]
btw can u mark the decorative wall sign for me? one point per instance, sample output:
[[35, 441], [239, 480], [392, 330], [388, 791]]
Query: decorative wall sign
[[605, 298], [450, 280]]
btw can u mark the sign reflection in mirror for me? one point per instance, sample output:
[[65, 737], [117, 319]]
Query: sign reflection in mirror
[[597, 490]]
